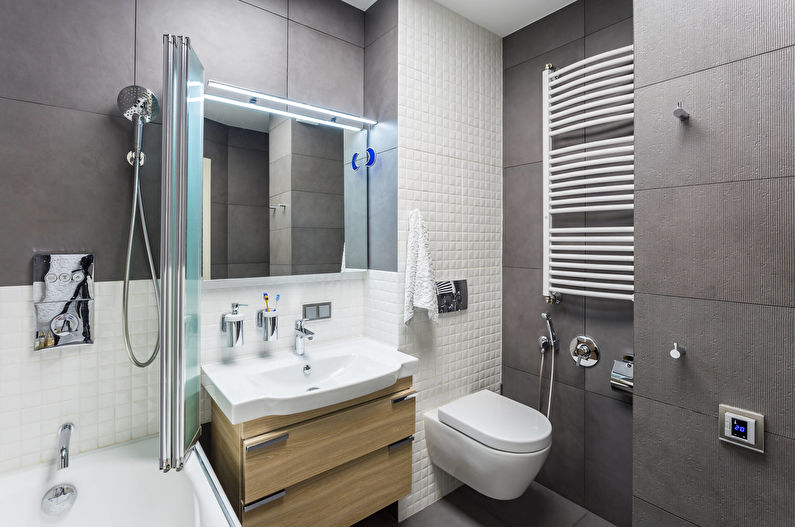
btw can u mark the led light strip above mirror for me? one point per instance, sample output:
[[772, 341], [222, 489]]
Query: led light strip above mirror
[[264, 96]]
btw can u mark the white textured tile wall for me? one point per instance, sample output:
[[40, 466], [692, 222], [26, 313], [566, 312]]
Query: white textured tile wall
[[94, 386], [450, 167]]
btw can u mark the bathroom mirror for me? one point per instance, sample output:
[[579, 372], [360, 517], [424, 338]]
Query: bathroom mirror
[[281, 196]]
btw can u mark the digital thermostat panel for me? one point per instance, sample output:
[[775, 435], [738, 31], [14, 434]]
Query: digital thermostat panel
[[742, 427]]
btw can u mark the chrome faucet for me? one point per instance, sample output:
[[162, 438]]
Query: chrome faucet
[[64, 436], [301, 334]]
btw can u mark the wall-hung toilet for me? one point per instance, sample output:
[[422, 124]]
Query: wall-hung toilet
[[492, 443]]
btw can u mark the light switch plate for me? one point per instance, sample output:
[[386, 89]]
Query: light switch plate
[[741, 427], [319, 311]]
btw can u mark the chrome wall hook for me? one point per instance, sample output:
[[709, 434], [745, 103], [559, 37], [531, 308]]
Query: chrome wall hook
[[680, 113]]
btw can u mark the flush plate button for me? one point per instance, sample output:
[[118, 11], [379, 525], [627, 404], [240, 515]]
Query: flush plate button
[[741, 427]]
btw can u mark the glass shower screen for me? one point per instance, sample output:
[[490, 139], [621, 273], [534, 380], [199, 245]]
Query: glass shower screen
[[180, 250]]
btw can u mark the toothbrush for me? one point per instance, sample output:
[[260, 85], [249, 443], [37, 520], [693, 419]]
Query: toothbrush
[[276, 304], [265, 295]]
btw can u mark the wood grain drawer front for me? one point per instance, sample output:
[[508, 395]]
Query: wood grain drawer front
[[279, 459], [341, 496]]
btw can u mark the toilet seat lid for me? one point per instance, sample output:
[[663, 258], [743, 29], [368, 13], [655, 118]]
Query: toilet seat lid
[[498, 422]]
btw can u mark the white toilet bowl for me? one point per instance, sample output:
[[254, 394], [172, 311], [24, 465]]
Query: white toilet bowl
[[492, 443]]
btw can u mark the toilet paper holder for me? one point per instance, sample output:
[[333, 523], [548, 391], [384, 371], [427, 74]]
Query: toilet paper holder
[[622, 376]]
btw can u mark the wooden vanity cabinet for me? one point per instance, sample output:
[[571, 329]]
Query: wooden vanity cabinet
[[332, 466]]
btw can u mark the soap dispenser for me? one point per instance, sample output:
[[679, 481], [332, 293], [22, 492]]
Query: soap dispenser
[[232, 325]]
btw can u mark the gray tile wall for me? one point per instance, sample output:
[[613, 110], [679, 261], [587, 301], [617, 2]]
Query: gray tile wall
[[714, 259], [380, 103], [240, 229], [64, 64], [591, 458]]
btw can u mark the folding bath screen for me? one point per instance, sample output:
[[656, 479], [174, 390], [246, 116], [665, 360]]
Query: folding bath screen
[[588, 181], [180, 250]]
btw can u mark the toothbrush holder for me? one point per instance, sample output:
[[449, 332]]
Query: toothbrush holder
[[269, 322]]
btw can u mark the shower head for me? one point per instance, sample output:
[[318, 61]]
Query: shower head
[[138, 103]]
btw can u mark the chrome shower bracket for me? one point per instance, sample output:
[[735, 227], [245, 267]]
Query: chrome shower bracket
[[584, 351], [131, 158]]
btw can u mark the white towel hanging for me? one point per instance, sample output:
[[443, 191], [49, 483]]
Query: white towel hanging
[[420, 279]]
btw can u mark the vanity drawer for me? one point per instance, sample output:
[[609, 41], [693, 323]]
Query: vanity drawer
[[276, 460], [341, 496]]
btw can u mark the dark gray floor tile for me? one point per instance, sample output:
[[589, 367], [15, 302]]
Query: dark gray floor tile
[[324, 70], [552, 31], [610, 323], [333, 17], [380, 90], [537, 507], [248, 177], [722, 363], [68, 187], [666, 29], [730, 241], [379, 19], [615, 36], [592, 520], [236, 42], [382, 212], [73, 54], [461, 508], [644, 514], [522, 104], [522, 306], [522, 244], [741, 114], [608, 459], [600, 14]]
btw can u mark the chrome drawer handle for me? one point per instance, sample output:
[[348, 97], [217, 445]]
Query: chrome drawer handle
[[404, 398], [269, 442], [402, 442], [267, 499]]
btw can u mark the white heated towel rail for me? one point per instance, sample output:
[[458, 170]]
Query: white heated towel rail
[[584, 177]]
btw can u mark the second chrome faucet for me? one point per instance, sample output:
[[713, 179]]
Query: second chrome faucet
[[301, 335]]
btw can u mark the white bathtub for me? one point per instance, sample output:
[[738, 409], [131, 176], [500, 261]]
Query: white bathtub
[[119, 486]]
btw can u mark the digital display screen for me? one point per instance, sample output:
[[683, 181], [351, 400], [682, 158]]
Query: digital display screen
[[739, 428]]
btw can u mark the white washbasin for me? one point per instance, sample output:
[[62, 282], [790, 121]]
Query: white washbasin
[[254, 387]]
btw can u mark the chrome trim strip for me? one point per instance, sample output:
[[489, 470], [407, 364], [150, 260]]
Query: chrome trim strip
[[404, 398], [223, 501], [165, 239], [269, 442], [396, 444], [267, 499]]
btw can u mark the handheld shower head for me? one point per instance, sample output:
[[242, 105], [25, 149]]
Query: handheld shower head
[[553, 337], [138, 104]]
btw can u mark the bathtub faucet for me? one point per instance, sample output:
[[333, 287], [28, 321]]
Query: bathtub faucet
[[64, 435]]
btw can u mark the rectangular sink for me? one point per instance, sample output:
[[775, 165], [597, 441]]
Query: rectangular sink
[[327, 374]]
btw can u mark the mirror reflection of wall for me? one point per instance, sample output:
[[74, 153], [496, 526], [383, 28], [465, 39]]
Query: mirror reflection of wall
[[282, 199]]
